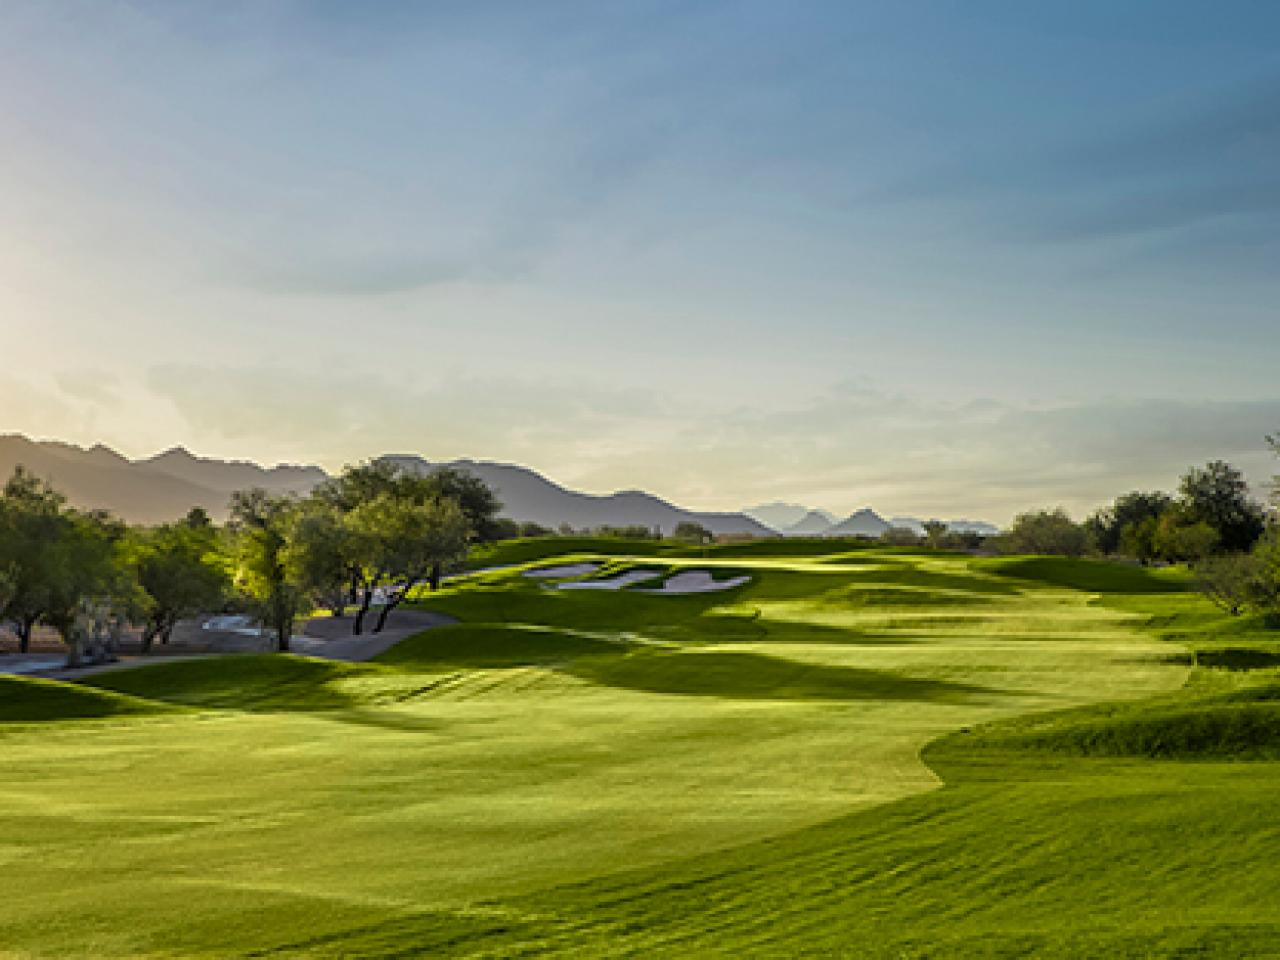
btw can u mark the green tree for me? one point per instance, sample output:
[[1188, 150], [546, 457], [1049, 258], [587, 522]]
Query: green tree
[[404, 542], [900, 537], [32, 519], [1107, 526], [691, 532], [83, 574], [1230, 581], [8, 578], [322, 551], [363, 483], [934, 531], [1046, 532], [476, 500], [1218, 495], [181, 573], [1265, 596], [1273, 442], [261, 524], [506, 529], [1179, 536], [357, 484], [1138, 539]]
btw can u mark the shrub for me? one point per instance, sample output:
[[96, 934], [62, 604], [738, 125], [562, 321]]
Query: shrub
[[1045, 532], [1230, 581]]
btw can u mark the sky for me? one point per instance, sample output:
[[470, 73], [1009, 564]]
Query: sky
[[944, 258]]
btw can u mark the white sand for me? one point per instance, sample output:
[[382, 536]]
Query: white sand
[[696, 581], [564, 571], [612, 583]]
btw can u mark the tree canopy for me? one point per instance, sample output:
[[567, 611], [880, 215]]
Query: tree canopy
[[1218, 495]]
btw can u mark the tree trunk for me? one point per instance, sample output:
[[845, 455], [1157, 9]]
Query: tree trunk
[[282, 636], [73, 651], [149, 636], [358, 627], [435, 576], [355, 585], [166, 633], [392, 604], [24, 635]]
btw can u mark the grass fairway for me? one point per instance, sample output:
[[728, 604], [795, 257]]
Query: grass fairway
[[590, 773]]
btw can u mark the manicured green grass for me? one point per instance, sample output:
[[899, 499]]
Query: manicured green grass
[[24, 699], [580, 773]]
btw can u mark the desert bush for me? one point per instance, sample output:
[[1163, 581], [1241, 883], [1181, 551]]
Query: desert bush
[[1045, 532], [1230, 581]]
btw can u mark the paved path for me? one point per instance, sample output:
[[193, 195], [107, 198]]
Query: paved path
[[331, 637], [328, 638]]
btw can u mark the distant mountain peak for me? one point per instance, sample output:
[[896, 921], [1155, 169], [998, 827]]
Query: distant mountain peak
[[813, 524], [167, 485], [780, 515], [861, 523]]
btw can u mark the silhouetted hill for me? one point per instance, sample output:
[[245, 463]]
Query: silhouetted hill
[[527, 495], [864, 523], [101, 479], [232, 474], [166, 486], [779, 515], [815, 523]]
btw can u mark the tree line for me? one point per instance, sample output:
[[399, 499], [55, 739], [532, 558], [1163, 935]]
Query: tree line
[[1230, 540], [364, 539]]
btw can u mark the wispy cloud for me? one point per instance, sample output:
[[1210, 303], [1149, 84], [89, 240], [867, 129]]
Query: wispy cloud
[[851, 447]]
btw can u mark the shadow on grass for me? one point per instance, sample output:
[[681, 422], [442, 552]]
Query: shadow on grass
[[258, 682], [384, 719], [1237, 658], [488, 645], [1091, 576], [753, 676], [27, 700]]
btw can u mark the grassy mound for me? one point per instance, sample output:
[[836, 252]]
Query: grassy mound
[[874, 595], [243, 682], [1241, 726], [1091, 576], [529, 549], [493, 645], [26, 699], [754, 676]]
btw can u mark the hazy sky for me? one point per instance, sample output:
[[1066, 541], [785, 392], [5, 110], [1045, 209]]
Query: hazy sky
[[939, 257]]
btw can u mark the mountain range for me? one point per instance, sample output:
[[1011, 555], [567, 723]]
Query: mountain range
[[797, 520], [166, 486]]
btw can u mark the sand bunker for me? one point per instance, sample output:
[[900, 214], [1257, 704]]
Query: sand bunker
[[564, 571], [611, 583], [696, 581]]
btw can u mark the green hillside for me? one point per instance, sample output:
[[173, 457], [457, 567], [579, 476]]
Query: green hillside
[[862, 752]]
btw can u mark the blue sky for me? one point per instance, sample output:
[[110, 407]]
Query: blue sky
[[942, 258]]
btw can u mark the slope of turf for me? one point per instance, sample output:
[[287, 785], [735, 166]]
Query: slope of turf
[[26, 699], [1181, 729], [238, 681], [585, 774], [495, 645], [1095, 576]]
